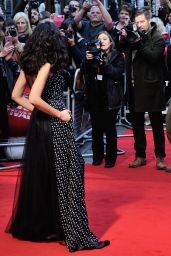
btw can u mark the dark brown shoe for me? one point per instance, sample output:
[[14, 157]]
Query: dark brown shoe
[[139, 161], [168, 169], [160, 164]]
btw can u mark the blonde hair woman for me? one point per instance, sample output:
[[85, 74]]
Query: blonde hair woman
[[23, 26]]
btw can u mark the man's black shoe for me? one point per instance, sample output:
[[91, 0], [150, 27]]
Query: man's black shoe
[[97, 161], [168, 169], [109, 164]]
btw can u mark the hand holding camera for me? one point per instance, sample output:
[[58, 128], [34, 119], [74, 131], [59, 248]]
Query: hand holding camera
[[89, 55], [86, 5], [95, 54], [131, 33]]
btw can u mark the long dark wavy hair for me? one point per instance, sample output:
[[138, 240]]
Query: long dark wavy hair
[[44, 45]]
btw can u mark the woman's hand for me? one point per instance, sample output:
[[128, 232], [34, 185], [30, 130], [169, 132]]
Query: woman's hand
[[7, 50], [71, 41], [89, 56], [65, 115]]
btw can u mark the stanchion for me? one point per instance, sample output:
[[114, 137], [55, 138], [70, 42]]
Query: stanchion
[[6, 143]]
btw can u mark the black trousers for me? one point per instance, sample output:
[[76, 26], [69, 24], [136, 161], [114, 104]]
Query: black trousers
[[140, 137], [104, 122]]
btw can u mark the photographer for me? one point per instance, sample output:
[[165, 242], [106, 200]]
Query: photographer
[[99, 19], [73, 9], [103, 69], [144, 48], [124, 18], [76, 44], [23, 26], [11, 51], [32, 9], [4, 95]]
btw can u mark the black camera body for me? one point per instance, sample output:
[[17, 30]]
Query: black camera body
[[98, 54], [133, 33], [14, 67], [68, 34], [12, 31], [72, 9]]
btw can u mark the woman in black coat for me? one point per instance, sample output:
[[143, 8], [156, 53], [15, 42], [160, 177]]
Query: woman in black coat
[[103, 69]]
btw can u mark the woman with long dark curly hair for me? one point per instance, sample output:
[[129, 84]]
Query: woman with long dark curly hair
[[49, 201]]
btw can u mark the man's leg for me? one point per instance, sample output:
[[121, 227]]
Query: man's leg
[[139, 139], [156, 120]]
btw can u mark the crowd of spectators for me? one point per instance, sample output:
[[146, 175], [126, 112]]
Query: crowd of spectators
[[81, 25]]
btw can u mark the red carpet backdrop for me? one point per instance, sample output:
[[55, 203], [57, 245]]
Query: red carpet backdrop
[[130, 207]]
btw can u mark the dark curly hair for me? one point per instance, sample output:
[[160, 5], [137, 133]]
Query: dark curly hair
[[44, 45]]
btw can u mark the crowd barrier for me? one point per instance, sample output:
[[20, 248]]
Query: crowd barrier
[[73, 97]]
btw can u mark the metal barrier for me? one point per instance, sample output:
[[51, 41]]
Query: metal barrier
[[81, 119], [12, 144]]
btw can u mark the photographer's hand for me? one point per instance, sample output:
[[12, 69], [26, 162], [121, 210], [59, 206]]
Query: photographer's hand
[[123, 33], [86, 5], [71, 41], [126, 21], [97, 2], [89, 56], [62, 32], [7, 50], [18, 45]]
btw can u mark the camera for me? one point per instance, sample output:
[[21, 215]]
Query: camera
[[12, 32], [133, 33], [68, 34], [33, 4], [72, 9], [14, 67], [98, 54]]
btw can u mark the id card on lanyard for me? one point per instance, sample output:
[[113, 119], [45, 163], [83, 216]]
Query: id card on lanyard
[[99, 77]]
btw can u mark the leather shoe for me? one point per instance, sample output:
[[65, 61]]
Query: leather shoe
[[97, 161], [98, 245], [109, 164], [139, 161], [168, 169], [160, 164]]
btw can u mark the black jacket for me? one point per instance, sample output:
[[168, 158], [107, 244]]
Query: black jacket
[[103, 83], [147, 94]]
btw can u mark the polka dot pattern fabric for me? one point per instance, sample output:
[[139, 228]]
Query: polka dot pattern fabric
[[69, 172]]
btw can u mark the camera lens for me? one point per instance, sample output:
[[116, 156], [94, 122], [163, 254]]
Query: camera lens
[[12, 32]]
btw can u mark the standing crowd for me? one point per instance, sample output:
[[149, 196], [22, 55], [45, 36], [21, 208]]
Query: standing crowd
[[35, 48]]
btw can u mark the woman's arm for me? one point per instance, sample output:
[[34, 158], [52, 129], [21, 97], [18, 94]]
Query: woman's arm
[[36, 92], [17, 93]]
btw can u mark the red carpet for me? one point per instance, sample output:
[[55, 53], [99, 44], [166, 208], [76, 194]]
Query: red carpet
[[130, 207]]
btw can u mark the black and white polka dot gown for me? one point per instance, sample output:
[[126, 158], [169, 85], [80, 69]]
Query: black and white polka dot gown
[[69, 170], [49, 199]]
